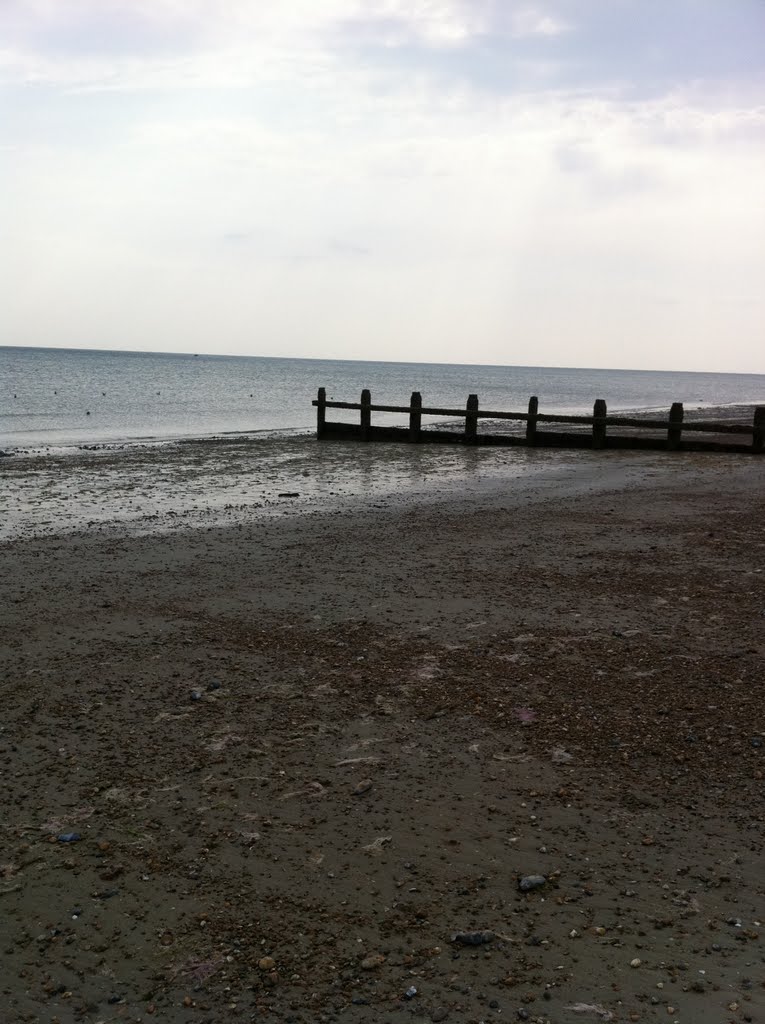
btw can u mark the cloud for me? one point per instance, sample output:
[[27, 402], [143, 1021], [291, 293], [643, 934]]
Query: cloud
[[411, 172]]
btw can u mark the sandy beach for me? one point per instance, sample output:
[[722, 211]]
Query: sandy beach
[[486, 745]]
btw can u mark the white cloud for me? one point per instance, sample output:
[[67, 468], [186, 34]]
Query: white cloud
[[534, 21]]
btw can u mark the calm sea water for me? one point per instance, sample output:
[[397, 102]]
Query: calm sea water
[[56, 398]]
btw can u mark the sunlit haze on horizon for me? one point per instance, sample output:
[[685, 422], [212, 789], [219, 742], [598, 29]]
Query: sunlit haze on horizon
[[562, 183]]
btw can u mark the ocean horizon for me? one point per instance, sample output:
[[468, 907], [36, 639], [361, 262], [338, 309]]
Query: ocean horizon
[[55, 399]]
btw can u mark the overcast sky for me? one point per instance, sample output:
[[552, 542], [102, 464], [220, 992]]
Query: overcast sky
[[573, 182]]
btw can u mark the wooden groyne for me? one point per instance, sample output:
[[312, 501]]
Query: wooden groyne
[[597, 431]]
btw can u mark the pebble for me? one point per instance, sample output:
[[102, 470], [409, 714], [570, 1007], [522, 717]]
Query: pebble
[[369, 963], [410, 993], [636, 962], [69, 837], [472, 938], [440, 1013], [196, 695], [267, 963], [362, 787], [529, 882]]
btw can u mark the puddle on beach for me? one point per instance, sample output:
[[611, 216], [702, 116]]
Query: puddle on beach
[[213, 481]]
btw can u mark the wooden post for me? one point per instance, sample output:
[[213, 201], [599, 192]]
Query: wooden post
[[366, 413], [758, 437], [675, 426], [415, 416], [531, 422], [599, 428], [321, 412], [471, 420]]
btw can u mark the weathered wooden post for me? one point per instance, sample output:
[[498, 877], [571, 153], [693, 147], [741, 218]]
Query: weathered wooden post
[[471, 420], [675, 426], [415, 416], [758, 435], [321, 412], [366, 413], [599, 424], [531, 421]]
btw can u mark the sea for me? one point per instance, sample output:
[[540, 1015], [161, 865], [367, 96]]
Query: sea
[[59, 400]]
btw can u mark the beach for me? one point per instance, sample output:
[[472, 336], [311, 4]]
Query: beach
[[475, 736]]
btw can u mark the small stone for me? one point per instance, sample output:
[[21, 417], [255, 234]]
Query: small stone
[[529, 882], [561, 756], [472, 938], [369, 963], [440, 1013], [410, 993], [362, 787], [267, 963], [636, 962], [196, 695]]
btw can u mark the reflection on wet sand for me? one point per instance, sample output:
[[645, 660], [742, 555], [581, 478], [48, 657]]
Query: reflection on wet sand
[[158, 487]]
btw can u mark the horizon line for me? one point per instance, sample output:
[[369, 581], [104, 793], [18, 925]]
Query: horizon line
[[391, 362]]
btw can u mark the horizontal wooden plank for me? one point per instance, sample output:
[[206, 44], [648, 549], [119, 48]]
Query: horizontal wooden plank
[[546, 438], [719, 428]]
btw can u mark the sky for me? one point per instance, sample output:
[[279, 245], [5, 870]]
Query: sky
[[553, 183]]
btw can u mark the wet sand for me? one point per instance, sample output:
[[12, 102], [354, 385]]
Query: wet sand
[[158, 487], [300, 752]]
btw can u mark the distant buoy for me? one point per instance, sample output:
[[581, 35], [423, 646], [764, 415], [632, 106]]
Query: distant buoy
[[87, 412]]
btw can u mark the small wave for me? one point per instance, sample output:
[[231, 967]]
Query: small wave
[[130, 445]]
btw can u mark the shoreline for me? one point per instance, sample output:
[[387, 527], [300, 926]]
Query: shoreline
[[302, 753], [212, 481], [734, 412]]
